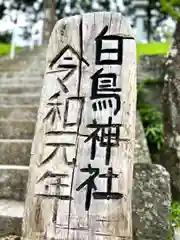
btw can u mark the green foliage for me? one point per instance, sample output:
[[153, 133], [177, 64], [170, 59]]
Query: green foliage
[[175, 214], [151, 118], [2, 9], [170, 7], [5, 37], [174, 218], [152, 121]]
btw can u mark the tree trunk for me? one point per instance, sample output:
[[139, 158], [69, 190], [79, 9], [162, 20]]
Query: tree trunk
[[49, 19], [171, 109], [149, 25]]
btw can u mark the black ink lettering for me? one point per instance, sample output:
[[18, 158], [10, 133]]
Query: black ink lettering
[[56, 133], [54, 152], [67, 58], [69, 68], [58, 185], [109, 194], [79, 114], [63, 51], [62, 85], [104, 104], [100, 89], [54, 108], [66, 159], [94, 172], [57, 195], [117, 51], [57, 145], [106, 133], [99, 48]]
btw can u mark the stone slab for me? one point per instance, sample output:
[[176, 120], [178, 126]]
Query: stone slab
[[13, 180], [16, 99], [151, 202], [141, 147], [19, 112], [11, 213], [17, 129], [24, 84], [21, 78], [150, 67], [15, 152]]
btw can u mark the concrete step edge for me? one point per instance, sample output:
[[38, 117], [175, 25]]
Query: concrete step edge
[[19, 120], [11, 204], [18, 95], [20, 106], [17, 85], [14, 167], [15, 140], [11, 215]]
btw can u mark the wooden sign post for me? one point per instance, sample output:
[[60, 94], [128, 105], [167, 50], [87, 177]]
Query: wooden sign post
[[81, 166]]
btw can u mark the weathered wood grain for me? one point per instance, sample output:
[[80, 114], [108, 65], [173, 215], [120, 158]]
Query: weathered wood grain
[[69, 113]]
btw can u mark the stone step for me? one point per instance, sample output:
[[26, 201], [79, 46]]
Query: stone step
[[23, 70], [17, 72], [17, 129], [25, 67], [26, 77], [9, 85], [37, 81], [18, 89], [16, 99], [15, 151], [19, 112], [11, 214], [13, 181], [26, 60]]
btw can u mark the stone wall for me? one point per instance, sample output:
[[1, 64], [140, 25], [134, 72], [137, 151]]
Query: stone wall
[[151, 202], [150, 69]]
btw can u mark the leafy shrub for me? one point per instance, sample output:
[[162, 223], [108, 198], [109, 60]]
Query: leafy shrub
[[174, 218], [175, 214], [153, 127], [152, 121]]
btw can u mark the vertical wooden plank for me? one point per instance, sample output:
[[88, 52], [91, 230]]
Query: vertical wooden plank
[[81, 166]]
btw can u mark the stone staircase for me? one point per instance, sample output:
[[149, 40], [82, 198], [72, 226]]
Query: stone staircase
[[20, 84]]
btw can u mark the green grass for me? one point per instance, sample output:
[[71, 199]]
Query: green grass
[[141, 48], [5, 48], [152, 48]]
